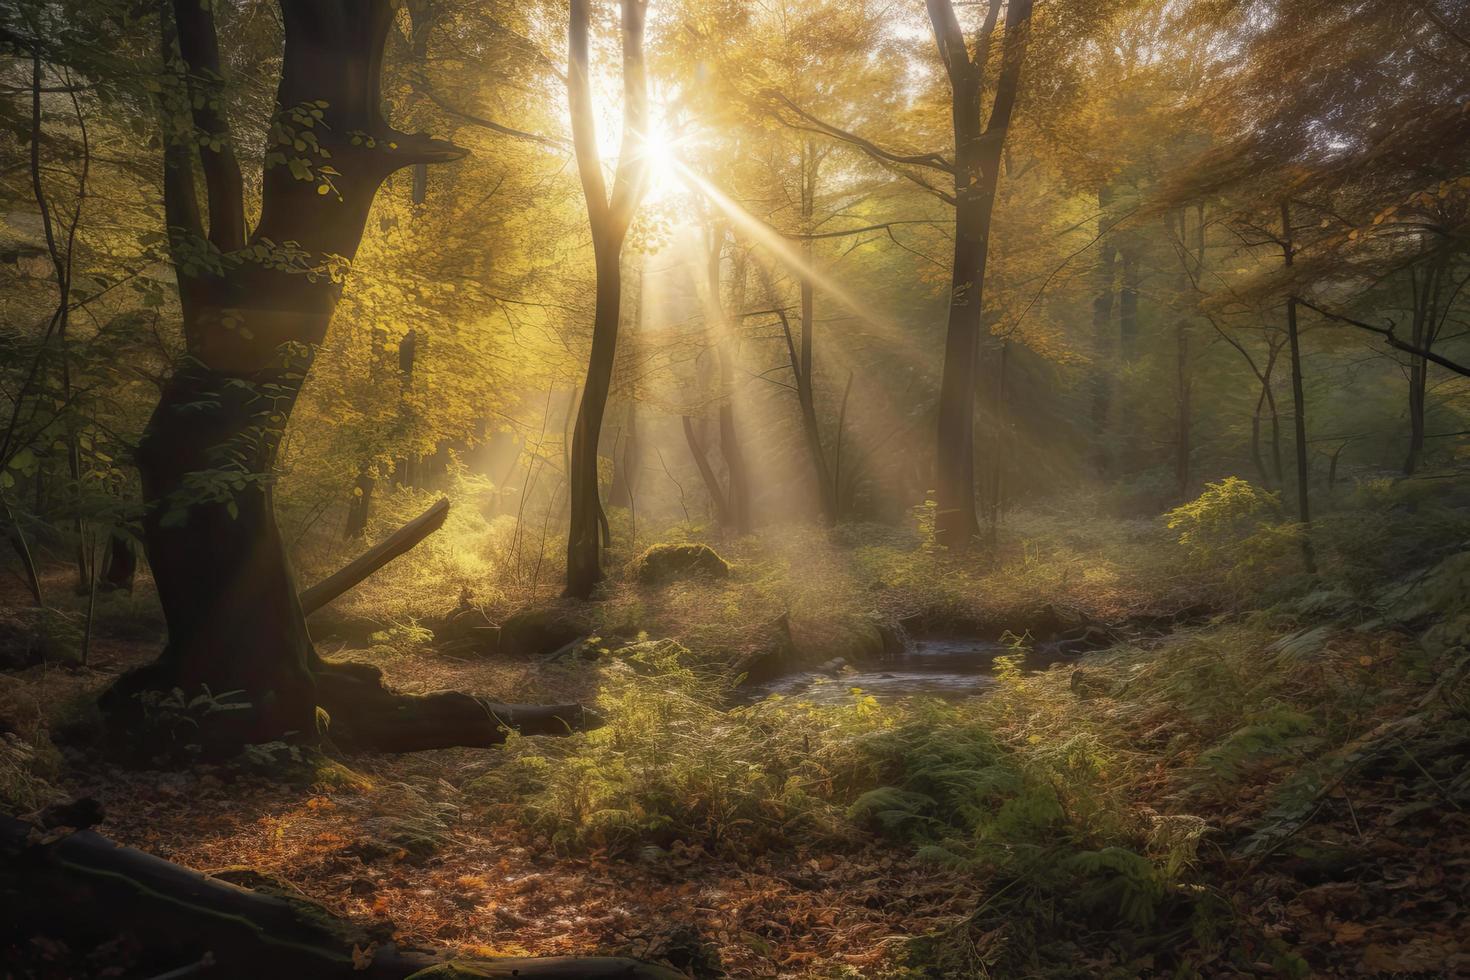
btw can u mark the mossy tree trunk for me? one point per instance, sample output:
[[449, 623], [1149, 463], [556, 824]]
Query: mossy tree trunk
[[255, 305]]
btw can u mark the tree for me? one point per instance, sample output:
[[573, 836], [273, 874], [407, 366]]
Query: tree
[[979, 139], [256, 303], [609, 217]]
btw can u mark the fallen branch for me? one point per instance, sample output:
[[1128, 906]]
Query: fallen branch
[[94, 889], [380, 554]]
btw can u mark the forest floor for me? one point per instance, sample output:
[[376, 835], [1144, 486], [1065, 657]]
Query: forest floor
[[1275, 791]]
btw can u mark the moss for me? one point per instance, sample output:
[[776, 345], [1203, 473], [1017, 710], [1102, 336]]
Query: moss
[[532, 632], [671, 562]]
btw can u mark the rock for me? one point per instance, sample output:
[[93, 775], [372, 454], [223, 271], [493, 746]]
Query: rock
[[663, 563], [1047, 622], [536, 632], [773, 656], [853, 640], [466, 632]]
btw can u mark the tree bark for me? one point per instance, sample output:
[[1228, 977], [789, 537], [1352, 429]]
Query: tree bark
[[707, 473], [1104, 285], [737, 477], [804, 368], [1426, 298], [1299, 403], [609, 219], [251, 321], [976, 178], [628, 459]]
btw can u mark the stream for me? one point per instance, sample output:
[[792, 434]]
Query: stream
[[950, 668]]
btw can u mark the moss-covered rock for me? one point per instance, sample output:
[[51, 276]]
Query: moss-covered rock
[[663, 563], [818, 639], [544, 629]]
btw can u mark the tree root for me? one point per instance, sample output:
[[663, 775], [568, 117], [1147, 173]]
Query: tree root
[[89, 888]]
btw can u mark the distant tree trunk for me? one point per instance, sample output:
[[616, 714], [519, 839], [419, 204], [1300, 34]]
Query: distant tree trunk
[[976, 178], [1128, 306], [61, 252], [707, 473], [628, 459], [1104, 276], [1183, 381], [999, 416], [405, 473], [736, 511], [609, 218], [361, 503], [1269, 391], [1260, 464], [1426, 300], [1128, 350], [837, 448], [804, 368], [119, 564], [1299, 402]]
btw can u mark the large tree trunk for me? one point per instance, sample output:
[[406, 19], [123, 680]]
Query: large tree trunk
[[236, 627], [976, 178]]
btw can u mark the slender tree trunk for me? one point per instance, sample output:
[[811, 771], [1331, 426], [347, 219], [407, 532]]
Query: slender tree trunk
[[1183, 381], [1105, 274], [361, 503], [804, 368], [628, 460], [1425, 321], [609, 217], [837, 449], [1260, 463], [584, 564], [706, 473], [737, 477], [1000, 419], [119, 564], [1299, 403], [61, 261]]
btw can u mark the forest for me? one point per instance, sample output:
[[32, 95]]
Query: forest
[[734, 488]]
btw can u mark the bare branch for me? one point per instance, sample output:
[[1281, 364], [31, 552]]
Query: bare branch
[[1393, 341]]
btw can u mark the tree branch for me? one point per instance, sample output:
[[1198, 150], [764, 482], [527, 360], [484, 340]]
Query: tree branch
[[1393, 341], [931, 160], [199, 47], [493, 126]]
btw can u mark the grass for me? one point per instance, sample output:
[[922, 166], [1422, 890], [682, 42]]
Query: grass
[[1106, 809]]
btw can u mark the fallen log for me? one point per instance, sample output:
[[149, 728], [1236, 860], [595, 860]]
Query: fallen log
[[380, 554], [364, 714], [91, 889]]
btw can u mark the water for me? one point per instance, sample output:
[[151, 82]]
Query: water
[[948, 668]]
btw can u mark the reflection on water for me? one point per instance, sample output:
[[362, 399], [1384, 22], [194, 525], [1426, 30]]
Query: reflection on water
[[945, 668]]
